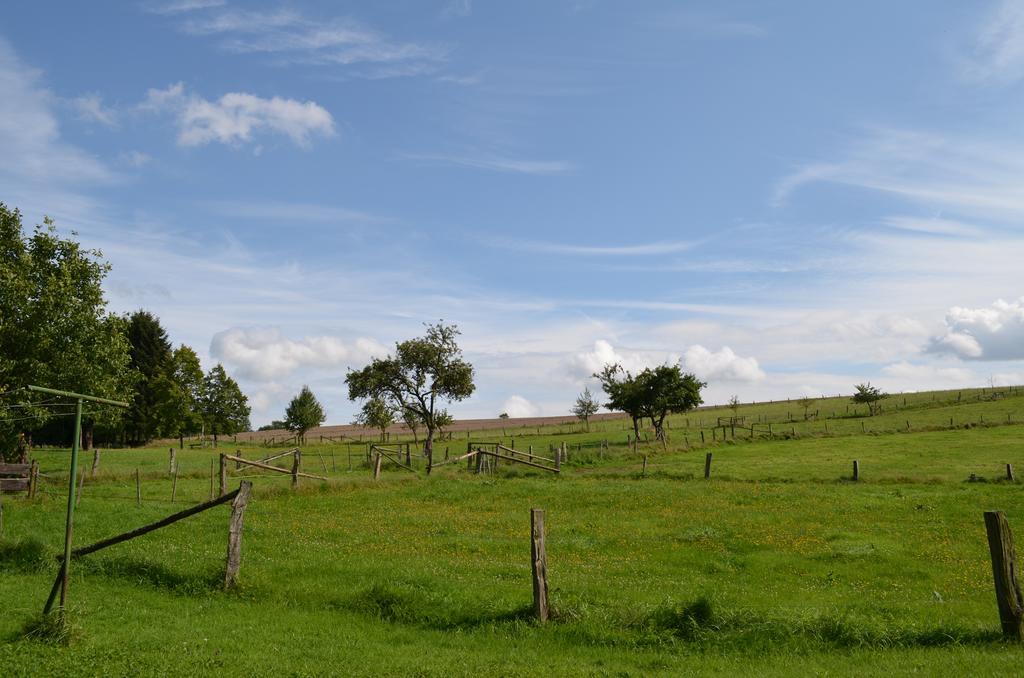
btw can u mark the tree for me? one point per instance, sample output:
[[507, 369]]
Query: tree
[[868, 395], [376, 413], [54, 328], [412, 420], [303, 413], [154, 389], [586, 406], [734, 405], [422, 372], [503, 415], [443, 421], [275, 425], [806, 402], [225, 407], [653, 393]]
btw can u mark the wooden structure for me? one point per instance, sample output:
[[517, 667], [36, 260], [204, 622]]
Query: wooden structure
[[539, 565], [20, 478], [1004, 572], [295, 471]]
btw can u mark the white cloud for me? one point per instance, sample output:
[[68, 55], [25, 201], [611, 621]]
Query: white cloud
[[266, 354], [237, 116], [499, 164], [519, 407], [995, 332], [91, 109], [998, 48], [722, 365], [909, 376]]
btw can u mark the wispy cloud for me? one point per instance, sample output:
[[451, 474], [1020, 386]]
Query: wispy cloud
[[644, 249], [30, 135], [997, 50], [299, 212], [182, 6], [91, 109], [496, 163], [933, 226], [458, 8], [293, 37], [237, 116], [971, 176], [705, 24]]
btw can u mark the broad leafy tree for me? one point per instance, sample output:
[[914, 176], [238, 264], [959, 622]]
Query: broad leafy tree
[[586, 406], [421, 374], [869, 395], [179, 395], [652, 394], [225, 407], [54, 328], [376, 413], [303, 413]]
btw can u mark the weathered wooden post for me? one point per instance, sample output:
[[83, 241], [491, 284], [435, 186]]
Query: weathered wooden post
[[95, 461], [238, 505], [138, 488], [296, 467], [856, 470], [171, 462], [376, 466], [238, 464], [223, 476], [174, 485], [539, 564], [1009, 472], [643, 472], [33, 478], [1004, 571], [558, 463], [707, 466]]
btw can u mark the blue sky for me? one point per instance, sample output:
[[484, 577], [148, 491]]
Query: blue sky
[[787, 197]]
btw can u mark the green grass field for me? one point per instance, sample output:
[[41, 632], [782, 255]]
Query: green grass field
[[779, 564]]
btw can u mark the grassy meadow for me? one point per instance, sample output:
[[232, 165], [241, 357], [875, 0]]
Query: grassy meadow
[[779, 564]]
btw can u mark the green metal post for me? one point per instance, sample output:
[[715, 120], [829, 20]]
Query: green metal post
[[62, 576], [71, 503]]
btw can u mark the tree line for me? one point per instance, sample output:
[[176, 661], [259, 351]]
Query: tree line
[[56, 331]]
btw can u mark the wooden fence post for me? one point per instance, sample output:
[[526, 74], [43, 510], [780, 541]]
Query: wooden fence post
[[643, 471], [33, 479], [238, 464], [376, 466], [172, 465], [235, 534], [540, 565], [95, 461], [174, 484], [707, 466], [223, 476], [856, 470], [1004, 567], [296, 467], [1009, 472]]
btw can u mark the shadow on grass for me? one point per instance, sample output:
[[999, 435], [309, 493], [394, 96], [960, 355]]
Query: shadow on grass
[[155, 575], [409, 604], [745, 630], [26, 556]]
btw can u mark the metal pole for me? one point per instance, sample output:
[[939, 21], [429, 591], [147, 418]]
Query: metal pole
[[66, 567]]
